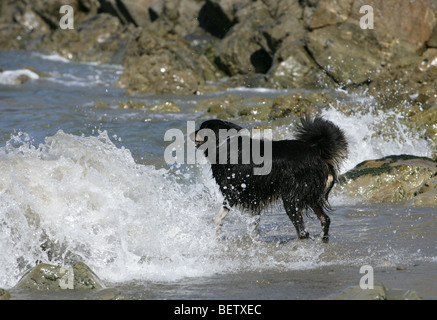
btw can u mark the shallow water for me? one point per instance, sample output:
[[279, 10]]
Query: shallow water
[[90, 184]]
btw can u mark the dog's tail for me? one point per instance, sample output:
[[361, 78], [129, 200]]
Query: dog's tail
[[327, 137]]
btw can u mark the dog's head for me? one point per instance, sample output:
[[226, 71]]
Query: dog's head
[[201, 135]]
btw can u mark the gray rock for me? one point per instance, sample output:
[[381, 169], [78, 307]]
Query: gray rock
[[50, 277], [4, 294]]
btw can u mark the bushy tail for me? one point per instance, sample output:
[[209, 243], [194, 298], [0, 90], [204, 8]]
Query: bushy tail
[[327, 137]]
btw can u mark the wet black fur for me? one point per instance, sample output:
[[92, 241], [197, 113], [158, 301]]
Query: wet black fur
[[300, 174]]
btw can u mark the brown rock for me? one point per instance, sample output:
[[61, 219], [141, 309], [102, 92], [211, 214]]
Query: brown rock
[[392, 179]]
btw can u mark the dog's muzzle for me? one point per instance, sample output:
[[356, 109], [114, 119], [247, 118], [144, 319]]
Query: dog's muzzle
[[197, 138]]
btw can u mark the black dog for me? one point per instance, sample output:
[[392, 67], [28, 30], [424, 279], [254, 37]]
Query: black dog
[[301, 172]]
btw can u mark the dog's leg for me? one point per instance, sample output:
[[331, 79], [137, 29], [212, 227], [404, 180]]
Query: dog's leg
[[324, 220], [253, 228], [296, 218], [221, 216]]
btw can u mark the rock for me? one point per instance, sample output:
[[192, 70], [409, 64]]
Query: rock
[[379, 292], [428, 195], [98, 38], [27, 17], [218, 16], [131, 104], [392, 179], [176, 16], [357, 293], [4, 294], [233, 106], [301, 44], [260, 29], [50, 277], [432, 42], [328, 12], [166, 106], [109, 294], [136, 11], [219, 104], [293, 67], [263, 109], [400, 294], [159, 74], [339, 49], [255, 108], [100, 104], [294, 104], [91, 6], [412, 24], [164, 65], [10, 37], [49, 11], [239, 52], [113, 8]]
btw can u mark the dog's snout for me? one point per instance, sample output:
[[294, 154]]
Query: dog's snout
[[196, 137]]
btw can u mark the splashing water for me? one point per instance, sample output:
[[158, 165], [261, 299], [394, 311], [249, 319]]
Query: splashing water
[[365, 144], [82, 198]]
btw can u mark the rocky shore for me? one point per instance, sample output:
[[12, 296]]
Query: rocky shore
[[185, 46]]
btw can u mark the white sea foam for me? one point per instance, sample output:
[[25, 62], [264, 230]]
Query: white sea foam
[[377, 134], [10, 77], [52, 57]]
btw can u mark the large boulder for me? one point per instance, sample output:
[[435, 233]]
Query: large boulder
[[164, 65], [392, 179], [351, 55], [100, 38], [259, 30], [239, 52], [51, 277]]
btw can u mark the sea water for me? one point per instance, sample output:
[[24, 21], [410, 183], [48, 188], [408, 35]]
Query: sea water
[[80, 183]]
